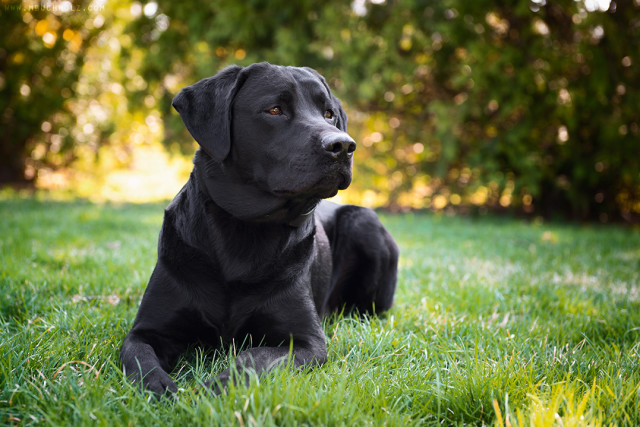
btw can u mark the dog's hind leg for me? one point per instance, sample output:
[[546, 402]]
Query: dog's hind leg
[[365, 260]]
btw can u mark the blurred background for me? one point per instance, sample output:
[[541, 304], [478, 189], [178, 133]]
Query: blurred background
[[529, 107]]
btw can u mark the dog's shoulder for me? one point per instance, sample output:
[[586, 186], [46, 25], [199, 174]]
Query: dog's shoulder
[[183, 219]]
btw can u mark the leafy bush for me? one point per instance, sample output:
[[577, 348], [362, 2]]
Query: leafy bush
[[521, 105]]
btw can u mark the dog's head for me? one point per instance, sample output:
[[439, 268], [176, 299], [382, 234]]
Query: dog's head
[[270, 130]]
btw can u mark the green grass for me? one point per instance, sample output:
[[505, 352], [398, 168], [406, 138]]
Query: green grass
[[496, 322]]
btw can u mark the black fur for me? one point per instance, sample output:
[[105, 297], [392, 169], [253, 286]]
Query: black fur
[[248, 249]]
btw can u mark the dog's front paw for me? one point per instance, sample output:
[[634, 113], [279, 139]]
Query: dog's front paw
[[159, 382], [218, 384]]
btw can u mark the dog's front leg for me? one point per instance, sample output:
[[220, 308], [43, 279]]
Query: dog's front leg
[[258, 360], [293, 333], [141, 364]]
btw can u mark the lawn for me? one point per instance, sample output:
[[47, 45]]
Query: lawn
[[496, 321]]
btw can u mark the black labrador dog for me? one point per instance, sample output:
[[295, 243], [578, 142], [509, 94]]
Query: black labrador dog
[[248, 248]]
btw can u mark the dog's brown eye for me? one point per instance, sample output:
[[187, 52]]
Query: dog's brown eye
[[328, 114], [275, 111]]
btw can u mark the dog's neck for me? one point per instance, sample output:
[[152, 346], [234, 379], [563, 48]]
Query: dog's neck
[[247, 202], [303, 218]]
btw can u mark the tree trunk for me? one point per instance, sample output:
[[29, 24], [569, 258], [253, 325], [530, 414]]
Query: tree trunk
[[12, 162]]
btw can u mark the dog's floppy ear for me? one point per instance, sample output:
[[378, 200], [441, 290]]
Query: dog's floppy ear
[[205, 109], [342, 116]]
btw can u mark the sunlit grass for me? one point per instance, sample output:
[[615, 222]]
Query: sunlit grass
[[496, 322]]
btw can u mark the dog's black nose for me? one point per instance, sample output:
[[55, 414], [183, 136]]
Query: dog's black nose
[[338, 144]]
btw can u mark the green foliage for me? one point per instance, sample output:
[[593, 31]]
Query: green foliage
[[502, 105], [542, 101], [495, 322], [525, 106], [41, 56]]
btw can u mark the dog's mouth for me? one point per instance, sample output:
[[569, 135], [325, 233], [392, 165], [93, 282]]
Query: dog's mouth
[[327, 186], [345, 181]]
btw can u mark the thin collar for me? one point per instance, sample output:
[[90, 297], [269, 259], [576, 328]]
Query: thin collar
[[302, 219], [296, 222]]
